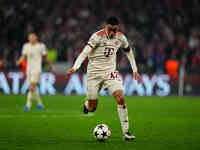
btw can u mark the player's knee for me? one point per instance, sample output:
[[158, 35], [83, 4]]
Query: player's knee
[[32, 87], [92, 105], [121, 101], [119, 97], [93, 109]]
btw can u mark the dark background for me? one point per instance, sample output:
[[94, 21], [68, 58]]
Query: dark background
[[159, 30]]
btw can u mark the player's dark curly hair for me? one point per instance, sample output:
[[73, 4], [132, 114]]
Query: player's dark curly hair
[[112, 20]]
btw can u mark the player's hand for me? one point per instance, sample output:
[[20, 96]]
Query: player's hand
[[53, 69], [18, 63], [137, 77], [69, 72]]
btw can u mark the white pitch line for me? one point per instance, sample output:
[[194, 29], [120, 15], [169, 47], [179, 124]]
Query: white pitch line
[[46, 116]]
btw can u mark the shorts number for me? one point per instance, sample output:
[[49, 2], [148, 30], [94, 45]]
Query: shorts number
[[114, 75], [108, 51]]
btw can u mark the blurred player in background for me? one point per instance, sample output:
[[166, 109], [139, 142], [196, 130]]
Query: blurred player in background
[[33, 52], [101, 71]]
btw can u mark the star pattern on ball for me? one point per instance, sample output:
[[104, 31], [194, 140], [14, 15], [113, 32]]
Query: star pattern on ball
[[100, 126]]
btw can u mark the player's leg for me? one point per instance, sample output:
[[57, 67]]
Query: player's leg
[[35, 81], [38, 99], [90, 105], [115, 87], [123, 114], [91, 102], [30, 96], [93, 87]]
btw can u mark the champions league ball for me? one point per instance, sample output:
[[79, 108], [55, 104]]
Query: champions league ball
[[101, 132]]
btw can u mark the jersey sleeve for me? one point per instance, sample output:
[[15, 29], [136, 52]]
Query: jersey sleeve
[[43, 50], [24, 50], [124, 40], [93, 41]]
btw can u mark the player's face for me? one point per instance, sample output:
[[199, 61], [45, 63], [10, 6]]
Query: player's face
[[32, 38], [112, 30]]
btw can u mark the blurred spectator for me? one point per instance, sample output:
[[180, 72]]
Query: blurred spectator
[[159, 58], [52, 53], [123, 64], [23, 66], [194, 38], [172, 67], [3, 64], [196, 61]]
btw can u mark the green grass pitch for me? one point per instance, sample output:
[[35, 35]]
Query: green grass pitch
[[159, 123]]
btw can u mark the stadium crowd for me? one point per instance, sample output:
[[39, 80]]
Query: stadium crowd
[[164, 33]]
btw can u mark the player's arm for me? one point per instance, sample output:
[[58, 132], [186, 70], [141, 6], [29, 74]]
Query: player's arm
[[130, 55], [48, 61], [131, 58], [20, 60], [23, 56], [87, 49]]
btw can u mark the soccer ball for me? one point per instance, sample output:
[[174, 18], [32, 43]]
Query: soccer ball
[[101, 132]]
